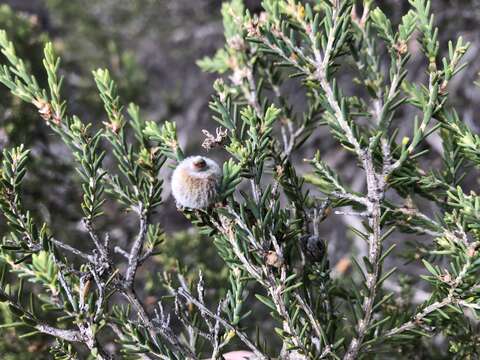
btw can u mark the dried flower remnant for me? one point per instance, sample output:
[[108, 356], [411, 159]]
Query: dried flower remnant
[[44, 109], [401, 47], [113, 126], [239, 75], [236, 43], [254, 24], [273, 259], [212, 141], [195, 182]]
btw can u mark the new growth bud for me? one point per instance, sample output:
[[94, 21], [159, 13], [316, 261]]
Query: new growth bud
[[195, 182]]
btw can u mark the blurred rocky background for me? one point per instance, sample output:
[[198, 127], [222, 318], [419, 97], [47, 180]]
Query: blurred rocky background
[[151, 48]]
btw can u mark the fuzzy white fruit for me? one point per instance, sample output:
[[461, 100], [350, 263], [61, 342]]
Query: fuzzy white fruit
[[195, 182]]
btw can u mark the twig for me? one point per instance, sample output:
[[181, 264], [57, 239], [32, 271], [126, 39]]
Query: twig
[[351, 213], [242, 336], [418, 318], [65, 334], [166, 332], [119, 250], [95, 239], [311, 316], [134, 256], [73, 250], [375, 188], [449, 299]]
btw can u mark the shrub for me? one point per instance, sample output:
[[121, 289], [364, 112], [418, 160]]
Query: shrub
[[265, 219]]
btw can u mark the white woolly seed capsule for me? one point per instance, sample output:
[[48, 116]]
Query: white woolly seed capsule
[[195, 182]]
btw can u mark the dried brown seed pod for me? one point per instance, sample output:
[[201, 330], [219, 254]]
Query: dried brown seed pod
[[313, 247]]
